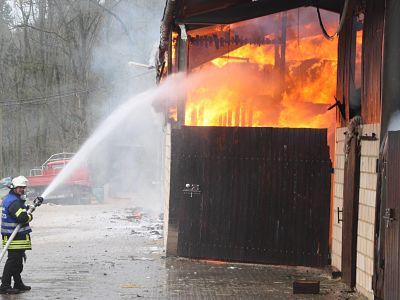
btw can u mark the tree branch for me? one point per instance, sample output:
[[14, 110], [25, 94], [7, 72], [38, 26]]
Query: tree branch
[[40, 29], [125, 29]]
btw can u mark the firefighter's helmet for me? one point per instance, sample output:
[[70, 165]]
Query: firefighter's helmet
[[18, 181]]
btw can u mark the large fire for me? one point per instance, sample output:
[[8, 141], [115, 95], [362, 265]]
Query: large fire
[[284, 81]]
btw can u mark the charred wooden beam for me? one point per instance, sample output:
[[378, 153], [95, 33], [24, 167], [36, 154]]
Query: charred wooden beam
[[213, 40]]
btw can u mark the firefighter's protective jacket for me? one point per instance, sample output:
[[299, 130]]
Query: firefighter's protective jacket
[[14, 212]]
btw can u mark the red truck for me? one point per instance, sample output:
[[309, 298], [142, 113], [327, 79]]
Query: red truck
[[76, 189]]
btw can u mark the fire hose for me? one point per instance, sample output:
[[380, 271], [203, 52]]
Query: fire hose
[[37, 202]]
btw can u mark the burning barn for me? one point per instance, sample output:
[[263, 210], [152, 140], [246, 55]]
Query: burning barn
[[281, 155]]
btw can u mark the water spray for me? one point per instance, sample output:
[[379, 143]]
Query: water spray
[[120, 115], [36, 203]]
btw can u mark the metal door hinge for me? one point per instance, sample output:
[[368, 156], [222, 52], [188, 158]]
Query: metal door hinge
[[367, 137], [389, 216]]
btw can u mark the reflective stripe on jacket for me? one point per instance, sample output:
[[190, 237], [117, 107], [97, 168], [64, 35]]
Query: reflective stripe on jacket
[[18, 243]]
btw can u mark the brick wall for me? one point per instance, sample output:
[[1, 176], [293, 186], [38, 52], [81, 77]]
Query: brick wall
[[366, 213]]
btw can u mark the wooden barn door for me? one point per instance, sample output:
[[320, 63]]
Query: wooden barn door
[[379, 233], [391, 217], [252, 194], [350, 211]]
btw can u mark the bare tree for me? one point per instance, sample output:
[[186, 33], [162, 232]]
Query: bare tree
[[51, 85]]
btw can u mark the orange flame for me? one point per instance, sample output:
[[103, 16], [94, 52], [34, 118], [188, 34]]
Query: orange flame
[[359, 37], [174, 38], [249, 87], [259, 56]]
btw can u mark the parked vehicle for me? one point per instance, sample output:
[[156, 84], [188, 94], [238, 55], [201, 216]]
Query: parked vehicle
[[76, 189], [4, 183]]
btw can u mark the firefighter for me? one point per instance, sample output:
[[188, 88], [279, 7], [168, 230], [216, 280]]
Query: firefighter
[[14, 212]]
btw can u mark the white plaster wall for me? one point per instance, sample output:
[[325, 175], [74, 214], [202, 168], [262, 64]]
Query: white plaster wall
[[166, 179], [338, 198]]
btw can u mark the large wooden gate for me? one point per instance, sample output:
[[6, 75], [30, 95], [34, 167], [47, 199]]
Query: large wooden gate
[[251, 194]]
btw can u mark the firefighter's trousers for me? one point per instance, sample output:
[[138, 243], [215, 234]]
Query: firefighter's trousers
[[13, 267]]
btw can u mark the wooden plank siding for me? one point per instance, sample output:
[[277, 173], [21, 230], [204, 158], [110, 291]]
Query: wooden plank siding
[[379, 229], [265, 194], [344, 69], [372, 49], [392, 228], [372, 62], [350, 213]]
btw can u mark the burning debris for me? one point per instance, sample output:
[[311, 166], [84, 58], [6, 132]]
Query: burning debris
[[146, 224]]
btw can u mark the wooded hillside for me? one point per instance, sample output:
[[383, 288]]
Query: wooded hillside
[[64, 67]]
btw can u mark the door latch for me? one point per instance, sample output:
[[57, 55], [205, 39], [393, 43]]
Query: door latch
[[388, 216], [191, 189]]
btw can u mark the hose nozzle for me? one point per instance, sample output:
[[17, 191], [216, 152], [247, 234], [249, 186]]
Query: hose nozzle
[[38, 201]]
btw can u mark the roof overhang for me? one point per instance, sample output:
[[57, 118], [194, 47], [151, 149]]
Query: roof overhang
[[199, 13], [208, 12]]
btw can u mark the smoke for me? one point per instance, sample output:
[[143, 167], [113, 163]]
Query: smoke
[[394, 123], [130, 38], [124, 157]]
